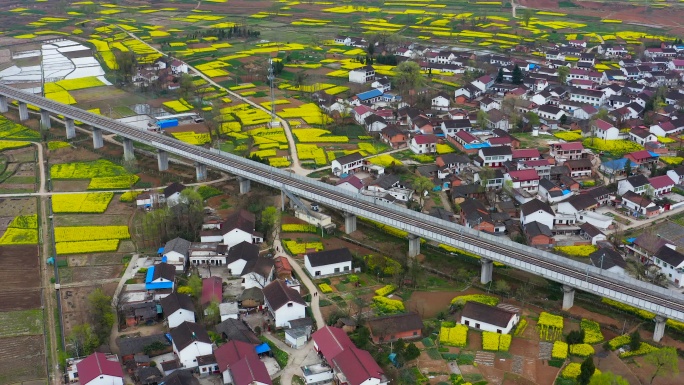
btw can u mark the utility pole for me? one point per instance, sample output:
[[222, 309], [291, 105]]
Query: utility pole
[[271, 83]]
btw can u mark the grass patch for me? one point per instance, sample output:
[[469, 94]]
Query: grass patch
[[428, 342], [434, 354], [21, 323]]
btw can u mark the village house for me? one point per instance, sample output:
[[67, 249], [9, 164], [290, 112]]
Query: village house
[[604, 130], [538, 234], [641, 135], [566, 151], [362, 75], [283, 302], [661, 185], [608, 259], [590, 232], [423, 144], [406, 326], [639, 204], [637, 184], [642, 158], [441, 102], [176, 253], [494, 156], [488, 318], [190, 341], [347, 164], [328, 262], [475, 215], [172, 193], [537, 211], [178, 308], [239, 364], [671, 263], [100, 369], [160, 279], [579, 168], [212, 290], [527, 180], [350, 183], [393, 136]]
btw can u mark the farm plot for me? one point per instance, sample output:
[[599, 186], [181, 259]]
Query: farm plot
[[89, 239], [82, 203], [23, 299], [22, 358], [103, 174], [22, 322]]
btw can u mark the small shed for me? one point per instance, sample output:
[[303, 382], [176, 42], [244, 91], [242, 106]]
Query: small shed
[[296, 337]]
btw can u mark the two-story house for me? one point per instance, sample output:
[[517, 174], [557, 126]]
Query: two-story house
[[527, 180], [423, 144], [494, 156], [347, 164]]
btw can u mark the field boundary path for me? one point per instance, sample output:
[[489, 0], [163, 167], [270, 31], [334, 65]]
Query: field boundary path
[[49, 293]]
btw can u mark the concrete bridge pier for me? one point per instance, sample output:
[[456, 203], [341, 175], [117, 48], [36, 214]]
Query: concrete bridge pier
[[414, 245], [162, 160], [4, 107], [659, 331], [244, 185], [23, 111], [568, 297], [45, 122], [129, 152], [70, 128], [349, 223], [486, 270], [98, 142], [201, 171]]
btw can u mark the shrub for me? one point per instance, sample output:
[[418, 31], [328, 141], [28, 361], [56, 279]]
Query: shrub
[[129, 196], [520, 328], [619, 341], [384, 291], [481, 298], [575, 337], [571, 371], [353, 278], [550, 326], [560, 350], [644, 348], [387, 306], [207, 192], [582, 350], [325, 288], [592, 332], [453, 336], [505, 342], [490, 341]]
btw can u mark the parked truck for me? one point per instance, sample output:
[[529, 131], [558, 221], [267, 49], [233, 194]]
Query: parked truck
[[167, 123]]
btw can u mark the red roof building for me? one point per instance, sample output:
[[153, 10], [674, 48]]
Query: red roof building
[[499, 141], [350, 364], [250, 371], [641, 157], [239, 364], [98, 366], [526, 154], [425, 139], [212, 290], [524, 175]]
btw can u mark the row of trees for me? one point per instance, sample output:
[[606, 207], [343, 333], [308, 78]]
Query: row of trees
[[85, 338]]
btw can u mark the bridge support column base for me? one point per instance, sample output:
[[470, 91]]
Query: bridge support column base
[[414, 245], [201, 171], [23, 111], [70, 128], [129, 152], [4, 107], [98, 142], [659, 331], [568, 297], [244, 185], [162, 160], [45, 122], [486, 270], [349, 223]]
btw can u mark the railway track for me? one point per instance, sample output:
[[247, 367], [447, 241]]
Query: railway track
[[584, 277]]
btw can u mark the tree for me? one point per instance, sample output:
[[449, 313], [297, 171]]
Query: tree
[[101, 314], [500, 76], [532, 119], [195, 284], [422, 185], [269, 217], [628, 167], [563, 119], [501, 286], [563, 73], [607, 378], [665, 362], [527, 16], [126, 64], [212, 314], [575, 337], [186, 87], [482, 118], [300, 78], [399, 346], [83, 341], [412, 352], [408, 78], [634, 340], [517, 75], [587, 369]]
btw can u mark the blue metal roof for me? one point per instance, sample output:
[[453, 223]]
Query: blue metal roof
[[150, 274], [160, 250], [478, 145], [369, 94], [653, 154], [263, 348], [149, 285], [618, 164]]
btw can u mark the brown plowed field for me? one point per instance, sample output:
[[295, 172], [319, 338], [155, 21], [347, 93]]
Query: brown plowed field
[[20, 300], [22, 358]]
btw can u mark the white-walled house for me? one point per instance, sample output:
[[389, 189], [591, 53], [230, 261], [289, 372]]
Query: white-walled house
[[488, 318], [100, 369], [637, 183], [239, 227], [328, 262], [441, 102], [178, 308], [284, 303], [423, 144], [190, 341], [172, 193], [537, 211], [362, 75], [677, 175], [605, 130], [347, 164], [176, 253], [671, 263]]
